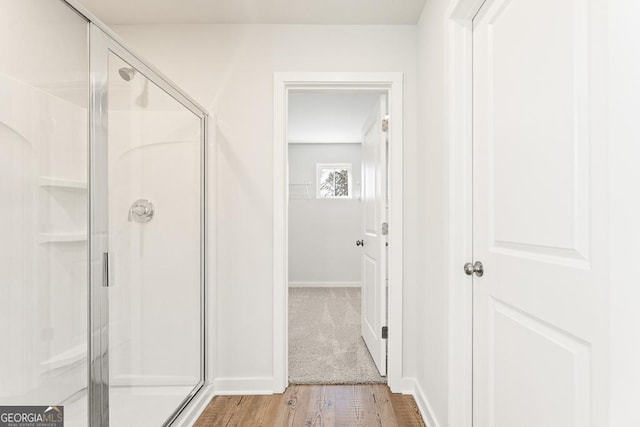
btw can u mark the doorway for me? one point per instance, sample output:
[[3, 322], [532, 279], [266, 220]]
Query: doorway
[[389, 312], [331, 286]]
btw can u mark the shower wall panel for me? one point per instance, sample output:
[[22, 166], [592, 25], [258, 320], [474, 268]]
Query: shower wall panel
[[154, 154], [150, 142], [43, 215], [154, 311]]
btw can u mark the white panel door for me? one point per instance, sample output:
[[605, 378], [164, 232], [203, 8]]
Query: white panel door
[[374, 296], [536, 315]]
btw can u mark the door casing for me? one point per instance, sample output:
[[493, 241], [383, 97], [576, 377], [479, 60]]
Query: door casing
[[459, 31], [392, 85]]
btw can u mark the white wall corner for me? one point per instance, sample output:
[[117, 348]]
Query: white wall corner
[[425, 408], [244, 385]]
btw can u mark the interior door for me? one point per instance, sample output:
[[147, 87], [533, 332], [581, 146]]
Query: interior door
[[374, 189], [535, 334]]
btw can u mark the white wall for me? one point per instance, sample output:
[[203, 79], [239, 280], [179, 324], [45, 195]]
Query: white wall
[[328, 116], [45, 45], [323, 232], [229, 68], [624, 152], [431, 298]]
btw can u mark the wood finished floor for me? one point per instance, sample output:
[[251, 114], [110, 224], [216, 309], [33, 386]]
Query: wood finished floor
[[315, 406]]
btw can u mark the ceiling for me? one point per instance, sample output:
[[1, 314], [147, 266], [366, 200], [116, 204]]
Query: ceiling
[[328, 117], [343, 12]]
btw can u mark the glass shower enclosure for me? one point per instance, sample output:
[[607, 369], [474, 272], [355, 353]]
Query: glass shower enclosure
[[102, 257]]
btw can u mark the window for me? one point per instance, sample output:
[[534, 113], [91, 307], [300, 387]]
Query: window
[[334, 181]]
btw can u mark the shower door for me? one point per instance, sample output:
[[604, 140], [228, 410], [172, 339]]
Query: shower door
[[147, 242]]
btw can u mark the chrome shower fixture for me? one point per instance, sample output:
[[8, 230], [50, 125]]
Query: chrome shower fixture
[[141, 211], [127, 73]]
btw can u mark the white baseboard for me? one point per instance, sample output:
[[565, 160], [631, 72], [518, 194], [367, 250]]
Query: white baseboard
[[250, 386], [401, 385], [325, 284], [198, 404], [423, 404]]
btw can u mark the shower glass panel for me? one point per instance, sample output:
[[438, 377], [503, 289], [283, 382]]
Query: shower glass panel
[[102, 248], [154, 209], [43, 210]]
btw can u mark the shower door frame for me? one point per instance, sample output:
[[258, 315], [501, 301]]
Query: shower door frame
[[102, 42]]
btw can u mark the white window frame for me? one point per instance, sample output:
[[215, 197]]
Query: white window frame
[[322, 166]]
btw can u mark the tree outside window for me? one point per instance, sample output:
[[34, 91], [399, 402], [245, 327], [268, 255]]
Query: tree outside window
[[334, 181]]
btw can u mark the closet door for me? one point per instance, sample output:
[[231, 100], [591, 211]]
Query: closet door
[[538, 211]]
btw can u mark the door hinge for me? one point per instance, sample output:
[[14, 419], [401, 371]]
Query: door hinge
[[385, 332], [385, 228], [385, 124]]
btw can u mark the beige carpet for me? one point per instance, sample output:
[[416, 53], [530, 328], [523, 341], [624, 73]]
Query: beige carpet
[[325, 346]]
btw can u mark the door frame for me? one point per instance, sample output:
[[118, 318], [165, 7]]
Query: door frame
[[284, 82], [459, 35]]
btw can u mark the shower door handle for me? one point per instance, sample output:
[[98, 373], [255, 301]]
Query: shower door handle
[[106, 273]]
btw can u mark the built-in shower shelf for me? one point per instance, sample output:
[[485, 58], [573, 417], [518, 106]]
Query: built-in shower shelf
[[65, 359], [62, 237], [47, 181]]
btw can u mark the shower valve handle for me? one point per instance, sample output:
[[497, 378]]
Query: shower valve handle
[[141, 210], [137, 211]]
